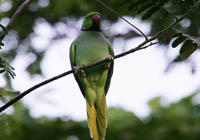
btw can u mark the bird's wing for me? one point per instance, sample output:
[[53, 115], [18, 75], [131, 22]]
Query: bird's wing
[[73, 63], [110, 71]]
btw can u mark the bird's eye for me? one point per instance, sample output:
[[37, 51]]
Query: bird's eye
[[86, 17]]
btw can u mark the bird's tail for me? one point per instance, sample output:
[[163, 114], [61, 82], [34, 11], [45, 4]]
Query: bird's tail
[[97, 120]]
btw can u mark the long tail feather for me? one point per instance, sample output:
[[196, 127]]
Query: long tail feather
[[97, 120]]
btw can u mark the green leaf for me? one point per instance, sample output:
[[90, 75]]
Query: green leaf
[[150, 12], [186, 45], [6, 67], [124, 2], [135, 4], [162, 2], [1, 71], [5, 30], [155, 103], [34, 68], [176, 35], [145, 7], [178, 41], [189, 50], [1, 44], [12, 74], [186, 50]]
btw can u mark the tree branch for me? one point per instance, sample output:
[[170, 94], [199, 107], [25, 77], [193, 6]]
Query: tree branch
[[139, 47], [67, 73], [13, 18]]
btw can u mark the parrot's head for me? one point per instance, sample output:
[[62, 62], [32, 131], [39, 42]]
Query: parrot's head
[[92, 22]]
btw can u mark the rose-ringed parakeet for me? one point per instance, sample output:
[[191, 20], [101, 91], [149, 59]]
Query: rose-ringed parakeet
[[89, 47]]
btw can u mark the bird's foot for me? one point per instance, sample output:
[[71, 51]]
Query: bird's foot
[[110, 58], [77, 69]]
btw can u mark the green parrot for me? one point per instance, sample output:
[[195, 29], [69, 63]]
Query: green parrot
[[89, 47]]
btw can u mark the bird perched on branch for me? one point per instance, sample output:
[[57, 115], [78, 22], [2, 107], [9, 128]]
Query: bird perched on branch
[[89, 47]]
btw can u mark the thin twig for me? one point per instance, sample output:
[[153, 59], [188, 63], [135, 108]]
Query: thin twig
[[139, 47], [13, 18], [116, 14], [33, 88]]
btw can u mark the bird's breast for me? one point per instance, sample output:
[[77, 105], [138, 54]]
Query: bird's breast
[[91, 50]]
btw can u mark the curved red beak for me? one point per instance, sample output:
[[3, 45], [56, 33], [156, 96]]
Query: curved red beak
[[96, 18]]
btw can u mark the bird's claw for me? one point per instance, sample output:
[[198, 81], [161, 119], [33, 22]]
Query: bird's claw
[[77, 69], [110, 58]]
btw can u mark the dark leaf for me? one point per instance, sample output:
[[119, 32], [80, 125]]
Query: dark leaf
[[34, 68], [12, 74], [145, 7], [5, 31], [150, 12], [162, 2], [1, 44], [1, 71], [11, 71], [6, 67], [186, 45], [124, 2], [191, 2], [176, 35], [186, 51], [178, 41], [189, 50], [135, 4], [11, 68]]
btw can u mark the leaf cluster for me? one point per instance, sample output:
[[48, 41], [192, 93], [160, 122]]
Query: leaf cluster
[[166, 12], [149, 7], [188, 46], [5, 67]]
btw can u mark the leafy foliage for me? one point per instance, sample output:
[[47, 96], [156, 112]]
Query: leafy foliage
[[4, 31], [175, 121], [157, 7], [147, 7], [5, 67], [188, 46]]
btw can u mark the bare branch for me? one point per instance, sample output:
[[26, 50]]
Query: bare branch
[[116, 14], [13, 18], [34, 88], [67, 73], [139, 47]]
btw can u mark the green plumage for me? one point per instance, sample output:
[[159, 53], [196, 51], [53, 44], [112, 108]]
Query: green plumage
[[89, 47]]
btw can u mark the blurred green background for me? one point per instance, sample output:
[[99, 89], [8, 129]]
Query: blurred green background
[[179, 120]]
